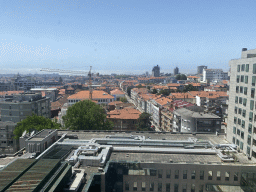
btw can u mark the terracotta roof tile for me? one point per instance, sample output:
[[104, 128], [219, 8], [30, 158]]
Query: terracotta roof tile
[[82, 95]]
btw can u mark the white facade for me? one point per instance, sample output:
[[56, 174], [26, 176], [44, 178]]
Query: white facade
[[241, 128], [214, 75]]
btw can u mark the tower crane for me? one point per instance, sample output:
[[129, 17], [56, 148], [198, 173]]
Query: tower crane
[[73, 72]]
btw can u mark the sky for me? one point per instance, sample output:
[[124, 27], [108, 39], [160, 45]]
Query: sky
[[123, 36]]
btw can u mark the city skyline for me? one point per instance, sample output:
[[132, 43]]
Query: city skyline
[[122, 37]]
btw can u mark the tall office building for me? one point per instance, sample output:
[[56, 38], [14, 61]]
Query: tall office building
[[241, 128], [200, 69], [156, 71], [176, 71]]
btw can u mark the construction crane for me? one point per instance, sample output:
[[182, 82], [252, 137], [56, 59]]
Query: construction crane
[[73, 72]]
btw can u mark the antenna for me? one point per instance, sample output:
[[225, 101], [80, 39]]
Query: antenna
[[24, 133]]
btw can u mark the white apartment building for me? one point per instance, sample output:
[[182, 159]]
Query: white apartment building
[[241, 129], [214, 75]]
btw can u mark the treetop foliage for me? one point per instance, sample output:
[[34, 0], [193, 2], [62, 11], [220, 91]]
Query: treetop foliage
[[32, 123], [86, 115]]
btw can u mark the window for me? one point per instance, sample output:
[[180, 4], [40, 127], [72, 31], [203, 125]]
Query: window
[[218, 176], [242, 134], [160, 173], [168, 173], [201, 188], [193, 174], [184, 187], [143, 186], [237, 142], [237, 89], [185, 174], [152, 172], [239, 111], [176, 187], [249, 140], [241, 89], [242, 78], [135, 186], [236, 176], [253, 80], [235, 110], [250, 116], [254, 69], [246, 79], [247, 68], [159, 188], [239, 121], [193, 188], [241, 145], [209, 175], [242, 67], [151, 186], [237, 78], [244, 101], [251, 104], [245, 90], [235, 119], [168, 187], [127, 186], [248, 150], [238, 132], [226, 176], [234, 130], [244, 113], [238, 68], [201, 175], [176, 176], [236, 99], [240, 100]]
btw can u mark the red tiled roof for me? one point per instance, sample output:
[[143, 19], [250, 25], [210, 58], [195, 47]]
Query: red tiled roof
[[116, 92], [82, 95], [127, 113]]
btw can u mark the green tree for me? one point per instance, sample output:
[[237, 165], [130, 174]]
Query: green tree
[[189, 88], [129, 91], [139, 86], [166, 92], [181, 77], [144, 122], [86, 115], [32, 123], [123, 99], [178, 77], [154, 91]]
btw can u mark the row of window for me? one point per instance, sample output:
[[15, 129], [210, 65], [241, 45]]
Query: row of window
[[242, 122], [238, 132], [243, 67], [241, 144], [160, 187], [244, 79], [243, 90], [184, 174], [241, 100]]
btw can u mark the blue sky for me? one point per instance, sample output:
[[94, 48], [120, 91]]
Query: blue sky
[[123, 36]]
